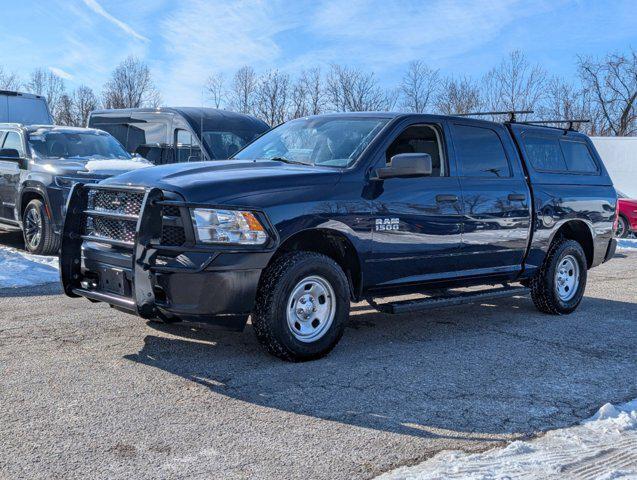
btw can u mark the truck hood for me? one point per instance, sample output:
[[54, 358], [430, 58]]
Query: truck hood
[[224, 180]]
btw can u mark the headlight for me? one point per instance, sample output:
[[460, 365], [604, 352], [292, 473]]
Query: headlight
[[65, 182], [227, 227]]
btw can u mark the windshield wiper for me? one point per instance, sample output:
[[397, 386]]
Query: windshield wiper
[[287, 160]]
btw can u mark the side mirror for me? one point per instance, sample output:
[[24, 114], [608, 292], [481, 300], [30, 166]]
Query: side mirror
[[407, 165], [12, 155]]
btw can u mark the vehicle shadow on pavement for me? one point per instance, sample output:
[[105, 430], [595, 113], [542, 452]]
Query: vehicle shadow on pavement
[[498, 368]]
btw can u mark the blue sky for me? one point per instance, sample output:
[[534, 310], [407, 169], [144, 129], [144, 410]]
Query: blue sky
[[184, 41]]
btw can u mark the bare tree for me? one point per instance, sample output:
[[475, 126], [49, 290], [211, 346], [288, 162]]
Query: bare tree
[[244, 86], [514, 84], [9, 81], [46, 83], [351, 90], [216, 89], [271, 98], [84, 102], [131, 86], [418, 87], [461, 95], [566, 101], [307, 96], [64, 114], [612, 83]]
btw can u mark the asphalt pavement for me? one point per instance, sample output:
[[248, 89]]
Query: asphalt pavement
[[89, 392]]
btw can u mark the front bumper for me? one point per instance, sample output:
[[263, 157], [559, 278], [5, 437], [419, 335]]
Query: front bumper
[[191, 283]]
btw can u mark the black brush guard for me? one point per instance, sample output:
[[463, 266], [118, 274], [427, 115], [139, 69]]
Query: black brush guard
[[144, 249]]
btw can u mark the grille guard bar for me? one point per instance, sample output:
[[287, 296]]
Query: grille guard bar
[[149, 232]]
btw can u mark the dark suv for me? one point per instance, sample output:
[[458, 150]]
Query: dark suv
[[38, 166], [324, 210]]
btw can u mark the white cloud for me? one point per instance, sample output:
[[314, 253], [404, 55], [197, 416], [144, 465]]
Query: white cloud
[[97, 8], [61, 73]]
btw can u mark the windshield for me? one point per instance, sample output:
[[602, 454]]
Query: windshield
[[333, 142], [52, 144]]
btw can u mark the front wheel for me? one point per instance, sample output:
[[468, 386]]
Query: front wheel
[[39, 237], [302, 306], [558, 287]]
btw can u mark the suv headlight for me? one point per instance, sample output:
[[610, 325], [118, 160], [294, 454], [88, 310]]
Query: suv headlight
[[227, 227], [65, 182]]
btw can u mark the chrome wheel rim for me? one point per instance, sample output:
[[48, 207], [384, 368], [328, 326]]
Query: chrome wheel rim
[[33, 228], [311, 309], [567, 278], [621, 227]]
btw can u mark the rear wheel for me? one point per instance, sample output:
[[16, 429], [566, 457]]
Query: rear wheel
[[302, 306], [622, 227], [559, 285], [39, 237]]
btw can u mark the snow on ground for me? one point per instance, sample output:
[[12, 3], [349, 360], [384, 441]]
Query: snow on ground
[[627, 244], [602, 447], [21, 269]]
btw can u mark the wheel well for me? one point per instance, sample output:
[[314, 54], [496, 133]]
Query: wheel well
[[581, 233], [26, 198], [331, 244]]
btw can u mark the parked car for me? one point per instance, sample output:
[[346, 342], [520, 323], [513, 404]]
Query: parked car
[[24, 108], [38, 166], [627, 218], [329, 209], [175, 134]]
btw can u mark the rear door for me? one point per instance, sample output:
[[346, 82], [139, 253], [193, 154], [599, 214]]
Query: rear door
[[496, 199]]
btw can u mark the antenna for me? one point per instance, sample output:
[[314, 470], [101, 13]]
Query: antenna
[[510, 113], [570, 122]]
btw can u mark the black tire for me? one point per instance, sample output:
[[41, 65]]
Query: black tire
[[623, 229], [543, 284], [269, 318], [48, 243]]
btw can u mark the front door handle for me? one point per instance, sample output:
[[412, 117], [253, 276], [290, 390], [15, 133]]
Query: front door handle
[[446, 198], [517, 197]]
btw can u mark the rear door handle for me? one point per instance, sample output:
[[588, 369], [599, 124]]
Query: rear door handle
[[446, 198], [517, 197]]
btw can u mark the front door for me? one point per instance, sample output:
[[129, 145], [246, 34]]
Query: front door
[[10, 175], [497, 200], [417, 221]]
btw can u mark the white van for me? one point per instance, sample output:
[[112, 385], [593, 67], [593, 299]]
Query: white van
[[24, 108]]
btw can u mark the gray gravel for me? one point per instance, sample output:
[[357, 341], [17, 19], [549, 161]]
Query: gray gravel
[[88, 392]]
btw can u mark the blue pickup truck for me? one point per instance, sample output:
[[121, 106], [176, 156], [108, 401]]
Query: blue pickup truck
[[326, 210]]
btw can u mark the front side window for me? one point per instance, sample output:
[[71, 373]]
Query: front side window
[[13, 140], [420, 139], [188, 149], [59, 144], [480, 152], [325, 141], [225, 144]]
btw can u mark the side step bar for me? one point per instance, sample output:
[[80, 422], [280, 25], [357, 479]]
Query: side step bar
[[452, 299]]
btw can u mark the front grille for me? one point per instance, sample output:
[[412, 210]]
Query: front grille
[[124, 230]]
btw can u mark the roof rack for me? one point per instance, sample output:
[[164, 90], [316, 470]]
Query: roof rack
[[510, 113], [570, 122]]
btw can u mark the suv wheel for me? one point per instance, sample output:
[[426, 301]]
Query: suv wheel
[[622, 227], [302, 306], [39, 237], [559, 285]]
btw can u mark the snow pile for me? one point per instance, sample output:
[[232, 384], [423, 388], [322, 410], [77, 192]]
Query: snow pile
[[115, 165], [627, 244], [21, 269], [605, 446]]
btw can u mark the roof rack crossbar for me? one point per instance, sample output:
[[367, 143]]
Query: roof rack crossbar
[[570, 122], [510, 113]]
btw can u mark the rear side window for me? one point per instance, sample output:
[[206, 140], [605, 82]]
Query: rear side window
[[551, 154], [578, 157], [480, 152]]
